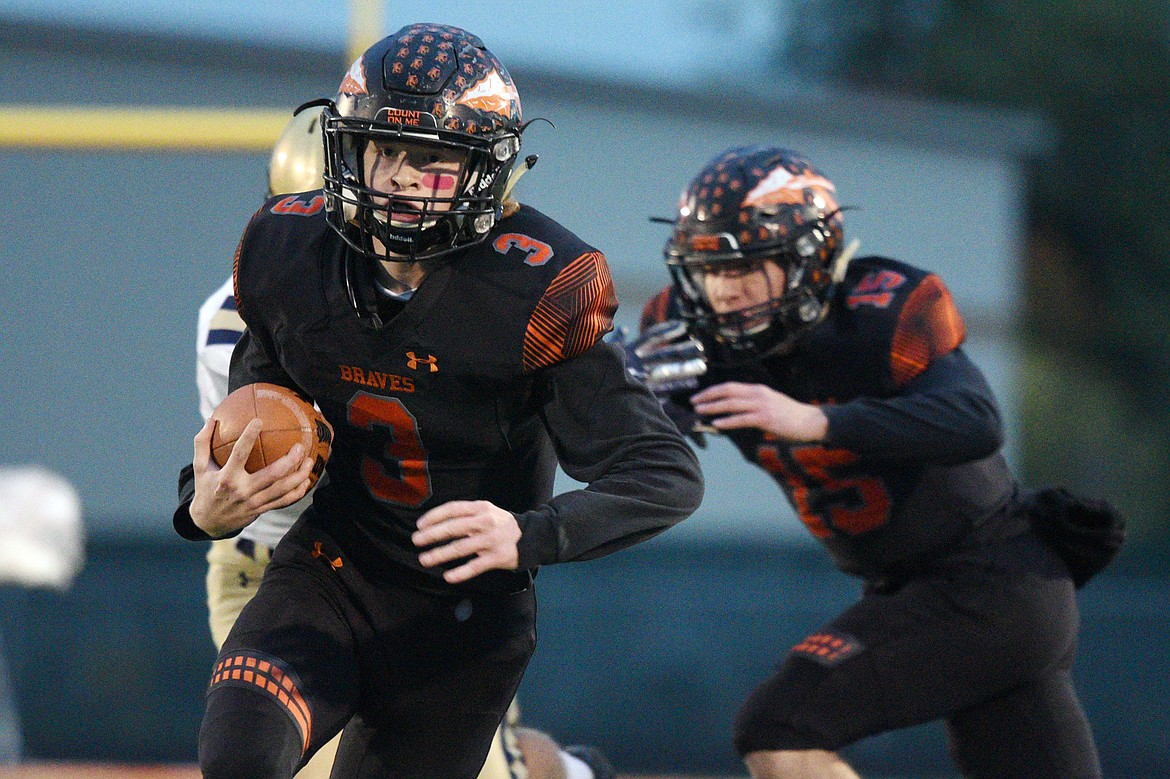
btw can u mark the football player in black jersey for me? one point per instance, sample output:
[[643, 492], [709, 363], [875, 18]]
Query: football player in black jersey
[[452, 337], [847, 382]]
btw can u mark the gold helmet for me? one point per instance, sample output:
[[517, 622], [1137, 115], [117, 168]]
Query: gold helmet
[[298, 158]]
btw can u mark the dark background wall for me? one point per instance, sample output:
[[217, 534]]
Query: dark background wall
[[647, 653]]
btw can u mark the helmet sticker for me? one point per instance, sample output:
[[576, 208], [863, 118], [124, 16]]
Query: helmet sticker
[[404, 116], [492, 93], [780, 186], [354, 82]]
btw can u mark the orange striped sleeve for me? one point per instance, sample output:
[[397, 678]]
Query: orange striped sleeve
[[929, 325], [575, 311]]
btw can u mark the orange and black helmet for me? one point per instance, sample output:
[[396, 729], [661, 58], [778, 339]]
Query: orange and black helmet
[[428, 85], [747, 206]]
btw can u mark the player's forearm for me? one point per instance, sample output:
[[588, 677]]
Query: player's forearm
[[181, 520], [612, 434], [948, 415], [632, 503], [645, 483]]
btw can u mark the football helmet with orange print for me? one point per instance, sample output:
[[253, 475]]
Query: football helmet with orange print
[[428, 89], [748, 207]]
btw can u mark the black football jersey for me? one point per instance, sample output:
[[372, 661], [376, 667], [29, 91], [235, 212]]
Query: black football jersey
[[911, 468], [471, 390]]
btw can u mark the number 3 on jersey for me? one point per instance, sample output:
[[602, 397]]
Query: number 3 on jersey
[[399, 473], [536, 252]]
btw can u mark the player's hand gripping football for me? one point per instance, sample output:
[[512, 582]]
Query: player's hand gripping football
[[229, 498], [475, 529], [669, 361], [733, 405]]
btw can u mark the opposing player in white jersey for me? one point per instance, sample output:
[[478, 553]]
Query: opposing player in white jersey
[[236, 565]]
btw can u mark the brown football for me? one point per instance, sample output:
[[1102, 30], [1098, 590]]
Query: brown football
[[288, 419]]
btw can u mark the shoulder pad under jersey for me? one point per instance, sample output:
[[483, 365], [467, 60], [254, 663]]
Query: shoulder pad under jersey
[[280, 237], [911, 308], [565, 281]]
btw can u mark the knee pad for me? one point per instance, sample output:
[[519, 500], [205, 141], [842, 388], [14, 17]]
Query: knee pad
[[757, 729], [245, 734]]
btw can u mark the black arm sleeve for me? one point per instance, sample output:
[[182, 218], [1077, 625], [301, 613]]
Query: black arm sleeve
[[611, 433], [946, 415], [254, 359]]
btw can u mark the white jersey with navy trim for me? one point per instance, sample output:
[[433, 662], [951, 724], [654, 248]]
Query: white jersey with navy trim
[[220, 327]]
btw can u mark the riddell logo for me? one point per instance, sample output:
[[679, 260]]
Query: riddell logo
[[413, 362]]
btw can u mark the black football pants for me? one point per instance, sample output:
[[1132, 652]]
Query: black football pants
[[425, 671], [984, 640]]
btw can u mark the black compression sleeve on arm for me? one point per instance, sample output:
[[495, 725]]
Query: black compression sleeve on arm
[[948, 415], [611, 433]]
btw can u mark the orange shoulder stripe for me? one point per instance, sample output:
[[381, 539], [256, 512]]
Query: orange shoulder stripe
[[576, 310], [929, 325]]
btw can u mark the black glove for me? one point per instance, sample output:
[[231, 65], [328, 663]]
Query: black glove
[[669, 361]]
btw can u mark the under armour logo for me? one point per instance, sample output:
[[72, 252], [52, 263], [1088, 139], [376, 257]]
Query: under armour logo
[[412, 362], [335, 564]]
